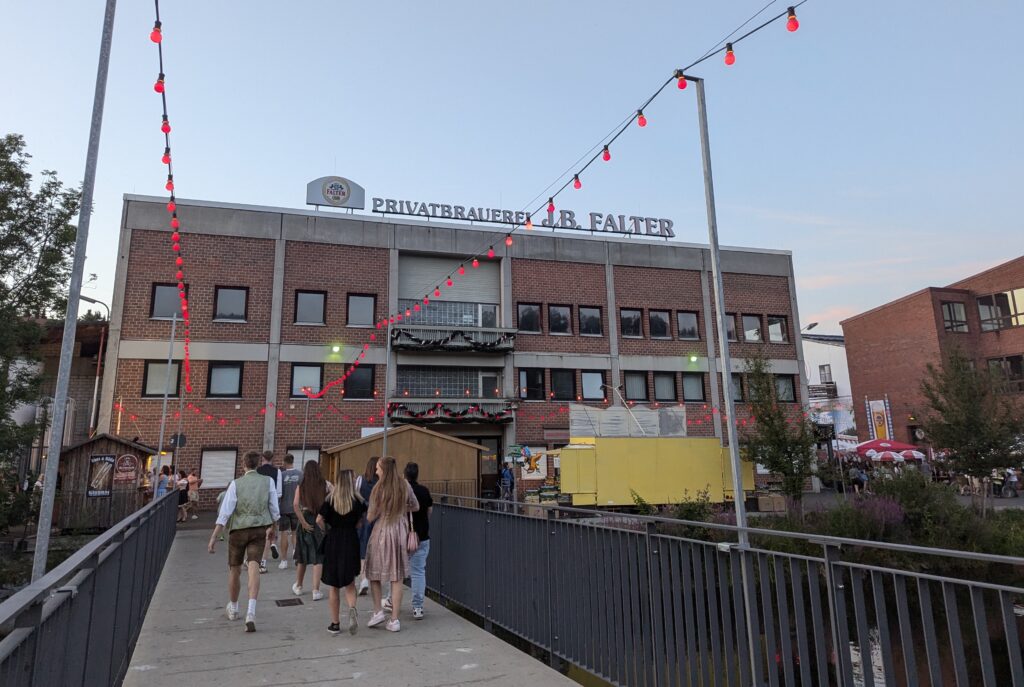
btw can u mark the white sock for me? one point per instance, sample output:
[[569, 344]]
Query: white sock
[[233, 605], [252, 606]]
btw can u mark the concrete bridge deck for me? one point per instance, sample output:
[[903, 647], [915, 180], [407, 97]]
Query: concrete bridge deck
[[188, 640]]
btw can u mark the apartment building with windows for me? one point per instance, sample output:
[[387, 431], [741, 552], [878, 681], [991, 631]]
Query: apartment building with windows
[[283, 300], [888, 348]]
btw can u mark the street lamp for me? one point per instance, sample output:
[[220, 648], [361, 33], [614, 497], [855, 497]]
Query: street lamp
[[809, 327], [99, 365]]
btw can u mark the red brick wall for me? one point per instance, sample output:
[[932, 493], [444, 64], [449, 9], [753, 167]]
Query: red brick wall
[[648, 288], [559, 283], [752, 294]]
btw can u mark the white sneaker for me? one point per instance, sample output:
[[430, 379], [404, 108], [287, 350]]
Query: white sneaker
[[364, 587], [386, 605], [393, 626], [232, 613], [317, 595], [376, 619], [195, 517], [283, 565], [250, 622], [296, 589], [417, 613]]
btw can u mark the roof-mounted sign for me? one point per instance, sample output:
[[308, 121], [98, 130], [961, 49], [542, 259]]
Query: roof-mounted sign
[[335, 192]]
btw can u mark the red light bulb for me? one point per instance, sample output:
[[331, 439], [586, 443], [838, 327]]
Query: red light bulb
[[179, 262], [476, 263], [426, 301], [408, 313], [681, 83], [175, 237], [576, 183], [166, 159], [551, 205], [462, 269], [170, 183], [171, 206], [437, 292], [175, 223], [508, 240], [606, 155], [159, 85], [176, 247], [156, 35], [181, 287], [416, 307], [529, 223], [166, 126], [730, 56], [490, 252], [640, 119], [449, 282], [792, 24], [180, 275]]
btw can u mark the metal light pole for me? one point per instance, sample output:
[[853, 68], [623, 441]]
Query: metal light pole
[[67, 346], [387, 380], [305, 422], [94, 408], [167, 384]]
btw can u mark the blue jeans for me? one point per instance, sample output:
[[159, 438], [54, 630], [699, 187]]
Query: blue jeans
[[418, 573]]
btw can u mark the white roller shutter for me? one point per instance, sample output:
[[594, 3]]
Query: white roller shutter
[[418, 275], [218, 468]]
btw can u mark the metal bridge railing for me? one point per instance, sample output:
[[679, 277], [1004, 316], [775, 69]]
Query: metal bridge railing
[[78, 624], [653, 601]]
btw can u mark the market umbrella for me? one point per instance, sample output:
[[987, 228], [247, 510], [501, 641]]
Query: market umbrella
[[882, 445], [911, 454], [887, 457]]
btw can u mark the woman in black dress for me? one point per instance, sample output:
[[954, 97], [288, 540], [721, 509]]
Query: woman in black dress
[[341, 514]]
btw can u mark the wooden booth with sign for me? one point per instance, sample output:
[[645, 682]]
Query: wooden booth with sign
[[102, 481], [448, 465]]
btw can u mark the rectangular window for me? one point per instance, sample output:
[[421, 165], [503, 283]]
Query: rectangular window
[[636, 386], [687, 322], [630, 321], [737, 386], [531, 384], [359, 384], [490, 385], [154, 378], [825, 373], [361, 309], [310, 307], [660, 324], [752, 328], [593, 385], [590, 321], [529, 317], [560, 319], [777, 330], [218, 467], [563, 385], [488, 315], [303, 376], [730, 327], [1002, 310], [954, 317], [1008, 371], [225, 380], [785, 391], [664, 386], [693, 386], [165, 302], [312, 453], [230, 303]]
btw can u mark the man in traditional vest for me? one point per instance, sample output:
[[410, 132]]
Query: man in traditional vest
[[250, 513]]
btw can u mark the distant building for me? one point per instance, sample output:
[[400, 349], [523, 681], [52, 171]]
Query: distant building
[[829, 396], [888, 348]]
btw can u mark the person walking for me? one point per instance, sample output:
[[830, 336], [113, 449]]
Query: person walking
[[268, 469], [182, 487], [289, 524], [309, 496], [417, 559], [249, 512], [364, 485], [387, 559], [163, 482], [341, 512], [194, 482]]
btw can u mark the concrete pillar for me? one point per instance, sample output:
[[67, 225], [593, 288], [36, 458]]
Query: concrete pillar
[[613, 332], [274, 349], [709, 336]]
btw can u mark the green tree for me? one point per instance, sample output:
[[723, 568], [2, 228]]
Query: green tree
[[36, 244], [969, 417], [778, 440], [91, 316]]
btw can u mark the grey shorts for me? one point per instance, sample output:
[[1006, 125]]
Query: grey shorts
[[288, 522]]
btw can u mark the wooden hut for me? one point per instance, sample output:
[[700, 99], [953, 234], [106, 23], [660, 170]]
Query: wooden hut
[[102, 481], [447, 465]]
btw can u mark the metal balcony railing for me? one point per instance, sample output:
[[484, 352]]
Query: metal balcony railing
[[822, 392], [452, 338], [433, 410]]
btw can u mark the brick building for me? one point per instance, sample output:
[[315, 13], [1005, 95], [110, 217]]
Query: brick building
[[889, 347], [283, 299]]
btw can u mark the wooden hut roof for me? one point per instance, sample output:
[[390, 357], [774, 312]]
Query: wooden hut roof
[[400, 430], [111, 437]]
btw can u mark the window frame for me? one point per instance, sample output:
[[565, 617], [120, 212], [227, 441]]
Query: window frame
[[703, 395], [216, 299], [760, 329], [675, 390], [737, 377], [668, 324], [525, 388], [822, 370], [323, 308], [519, 317], [568, 320], [297, 451], [600, 320], [626, 374], [735, 338], [240, 366], [291, 380], [792, 384], [352, 370], [583, 385], [949, 324], [640, 321], [696, 325], [572, 390], [145, 378], [177, 300], [207, 482], [785, 328], [348, 309]]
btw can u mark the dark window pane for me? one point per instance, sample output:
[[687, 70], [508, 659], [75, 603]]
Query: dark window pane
[[777, 332], [954, 317], [230, 304], [730, 327], [531, 384], [166, 301], [529, 317], [359, 383], [631, 325], [563, 385], [688, 325], [361, 310], [784, 390], [659, 322], [636, 386], [825, 373], [664, 386], [590, 321], [488, 316], [309, 307], [693, 386], [225, 379], [737, 387], [306, 376], [751, 328], [560, 319], [593, 385]]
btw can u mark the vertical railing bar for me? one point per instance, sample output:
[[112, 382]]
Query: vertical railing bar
[[785, 633], [771, 648], [656, 605], [860, 613], [626, 607], [906, 630], [700, 609], [685, 567], [956, 638], [728, 636], [882, 619], [758, 660], [817, 623], [803, 652], [636, 600], [840, 631], [614, 587], [742, 632], [1013, 643], [981, 632], [931, 643], [711, 596]]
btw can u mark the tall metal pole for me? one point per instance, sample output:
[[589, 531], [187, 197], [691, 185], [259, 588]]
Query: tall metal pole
[[74, 292], [387, 380], [94, 408], [305, 424], [167, 385]]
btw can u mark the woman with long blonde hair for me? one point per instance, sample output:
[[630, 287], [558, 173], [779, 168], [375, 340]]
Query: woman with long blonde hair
[[387, 559], [341, 512], [309, 496], [364, 485]]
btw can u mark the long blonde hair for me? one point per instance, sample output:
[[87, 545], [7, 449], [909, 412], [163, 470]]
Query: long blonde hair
[[390, 495], [344, 492]]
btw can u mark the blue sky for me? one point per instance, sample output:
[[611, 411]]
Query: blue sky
[[882, 143]]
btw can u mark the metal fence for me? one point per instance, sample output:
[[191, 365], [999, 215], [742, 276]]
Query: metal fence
[[653, 601], [78, 624]]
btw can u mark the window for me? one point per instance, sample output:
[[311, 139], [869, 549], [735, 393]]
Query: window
[[359, 383], [531, 384], [490, 384], [664, 386], [165, 302], [659, 321], [687, 322], [590, 321], [954, 317], [630, 323], [154, 379], [752, 328], [309, 307], [311, 453], [1009, 371], [230, 303], [563, 385], [593, 385], [730, 327], [777, 330], [560, 319], [488, 315], [785, 391], [218, 467], [529, 317], [1002, 310], [693, 386], [737, 386], [311, 376], [636, 386], [361, 310], [224, 380], [825, 374]]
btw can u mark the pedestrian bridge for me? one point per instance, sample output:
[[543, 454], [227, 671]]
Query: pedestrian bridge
[[605, 599]]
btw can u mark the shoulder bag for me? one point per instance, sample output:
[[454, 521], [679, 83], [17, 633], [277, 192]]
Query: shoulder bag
[[412, 541]]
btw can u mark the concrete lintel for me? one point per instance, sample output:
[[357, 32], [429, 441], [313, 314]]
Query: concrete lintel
[[663, 363], [323, 353], [200, 350], [571, 361]]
